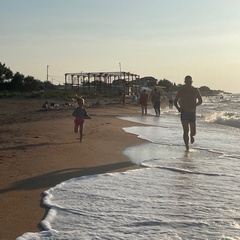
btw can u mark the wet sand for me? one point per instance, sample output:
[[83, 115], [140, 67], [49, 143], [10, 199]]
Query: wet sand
[[39, 150]]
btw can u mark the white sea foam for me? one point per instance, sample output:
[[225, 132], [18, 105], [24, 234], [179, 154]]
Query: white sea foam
[[177, 195]]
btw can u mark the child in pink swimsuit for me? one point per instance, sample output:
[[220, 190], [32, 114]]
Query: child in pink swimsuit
[[80, 113]]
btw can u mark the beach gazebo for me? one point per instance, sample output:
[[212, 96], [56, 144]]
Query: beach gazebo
[[122, 80]]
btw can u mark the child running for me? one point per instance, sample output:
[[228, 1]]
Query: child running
[[80, 113]]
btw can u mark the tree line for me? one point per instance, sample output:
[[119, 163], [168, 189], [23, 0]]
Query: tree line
[[10, 81], [18, 82]]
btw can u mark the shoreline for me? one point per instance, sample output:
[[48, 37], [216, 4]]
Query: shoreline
[[38, 155]]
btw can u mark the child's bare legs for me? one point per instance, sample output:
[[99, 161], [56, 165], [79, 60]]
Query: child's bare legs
[[81, 132], [75, 128]]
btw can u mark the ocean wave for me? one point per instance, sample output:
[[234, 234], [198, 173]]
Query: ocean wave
[[231, 119]]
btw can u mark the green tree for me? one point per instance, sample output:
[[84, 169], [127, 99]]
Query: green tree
[[206, 90], [167, 84], [30, 84], [48, 85], [17, 83], [5, 73]]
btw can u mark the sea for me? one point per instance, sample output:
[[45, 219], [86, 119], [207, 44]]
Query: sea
[[174, 195]]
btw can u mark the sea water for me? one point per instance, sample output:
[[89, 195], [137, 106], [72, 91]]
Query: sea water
[[176, 195]]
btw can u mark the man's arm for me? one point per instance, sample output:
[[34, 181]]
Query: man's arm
[[176, 99], [199, 98]]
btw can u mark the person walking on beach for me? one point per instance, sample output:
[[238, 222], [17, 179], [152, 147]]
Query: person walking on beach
[[123, 98], [143, 101], [186, 101], [156, 101], [170, 99], [80, 114]]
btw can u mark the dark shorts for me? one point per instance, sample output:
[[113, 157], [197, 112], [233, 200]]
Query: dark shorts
[[79, 121], [188, 116], [157, 105]]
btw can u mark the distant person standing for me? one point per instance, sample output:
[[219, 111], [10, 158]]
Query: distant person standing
[[156, 101], [80, 114], [42, 88], [151, 96], [123, 98], [170, 99], [143, 101], [186, 101]]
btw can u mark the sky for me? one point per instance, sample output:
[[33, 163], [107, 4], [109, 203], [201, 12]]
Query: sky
[[163, 39]]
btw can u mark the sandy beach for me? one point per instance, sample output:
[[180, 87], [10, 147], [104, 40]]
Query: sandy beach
[[39, 150]]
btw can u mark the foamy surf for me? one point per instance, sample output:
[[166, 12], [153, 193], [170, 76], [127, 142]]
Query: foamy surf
[[176, 195]]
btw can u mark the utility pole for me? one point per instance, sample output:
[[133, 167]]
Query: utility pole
[[47, 71], [120, 69]]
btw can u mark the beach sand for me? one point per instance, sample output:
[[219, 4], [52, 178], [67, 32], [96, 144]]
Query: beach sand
[[39, 150]]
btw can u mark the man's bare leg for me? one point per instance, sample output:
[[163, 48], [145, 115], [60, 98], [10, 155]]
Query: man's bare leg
[[185, 134], [192, 131]]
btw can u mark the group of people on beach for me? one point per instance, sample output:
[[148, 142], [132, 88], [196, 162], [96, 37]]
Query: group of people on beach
[[155, 98], [186, 101]]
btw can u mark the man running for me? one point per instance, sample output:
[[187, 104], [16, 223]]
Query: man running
[[186, 101]]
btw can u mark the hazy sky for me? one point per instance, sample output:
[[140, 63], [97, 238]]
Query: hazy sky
[[160, 38]]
